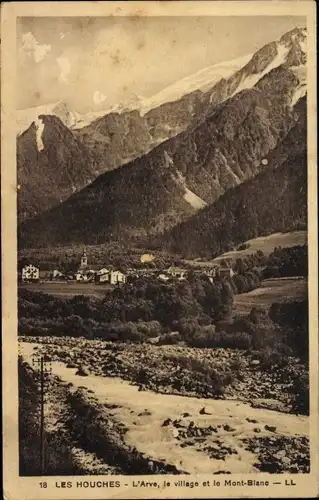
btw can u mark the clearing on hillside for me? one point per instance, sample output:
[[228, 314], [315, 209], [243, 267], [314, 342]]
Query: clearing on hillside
[[264, 243], [270, 291]]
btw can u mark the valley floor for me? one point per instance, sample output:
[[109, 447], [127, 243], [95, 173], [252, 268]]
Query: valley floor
[[114, 423], [67, 289]]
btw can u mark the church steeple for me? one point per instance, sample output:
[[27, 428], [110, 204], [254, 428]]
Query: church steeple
[[84, 259]]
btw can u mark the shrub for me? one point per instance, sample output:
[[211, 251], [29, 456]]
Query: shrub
[[243, 246], [237, 365], [292, 317], [202, 370], [209, 338], [171, 338], [271, 272], [268, 358], [300, 389]]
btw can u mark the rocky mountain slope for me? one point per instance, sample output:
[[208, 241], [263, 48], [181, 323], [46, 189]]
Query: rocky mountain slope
[[117, 205], [111, 137], [275, 200], [51, 164], [228, 142]]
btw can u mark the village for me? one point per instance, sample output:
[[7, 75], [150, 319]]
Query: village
[[90, 273]]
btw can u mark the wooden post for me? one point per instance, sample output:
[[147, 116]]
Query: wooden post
[[43, 370], [42, 462]]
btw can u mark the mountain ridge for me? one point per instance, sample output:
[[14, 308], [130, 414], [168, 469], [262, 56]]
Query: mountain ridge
[[101, 213], [224, 146], [225, 224], [274, 200], [203, 80]]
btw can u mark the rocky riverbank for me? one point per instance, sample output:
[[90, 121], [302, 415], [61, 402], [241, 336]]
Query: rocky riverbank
[[281, 454], [208, 373], [109, 424], [81, 437]]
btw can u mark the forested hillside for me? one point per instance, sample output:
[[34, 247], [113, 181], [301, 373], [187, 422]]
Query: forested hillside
[[276, 200]]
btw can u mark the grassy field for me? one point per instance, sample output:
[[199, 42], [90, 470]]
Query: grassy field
[[264, 243], [68, 289], [271, 290]]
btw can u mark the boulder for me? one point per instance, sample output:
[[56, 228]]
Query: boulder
[[144, 413], [212, 429], [255, 362], [286, 461], [175, 433], [280, 454], [166, 422], [228, 428], [71, 365], [270, 428], [203, 411], [82, 371]]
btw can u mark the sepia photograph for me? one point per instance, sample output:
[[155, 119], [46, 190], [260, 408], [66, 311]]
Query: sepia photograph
[[163, 250]]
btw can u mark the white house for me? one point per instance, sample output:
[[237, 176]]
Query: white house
[[112, 277], [177, 272], [30, 273], [102, 276], [117, 277], [102, 271]]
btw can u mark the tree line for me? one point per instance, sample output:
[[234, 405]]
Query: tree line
[[200, 312], [281, 262], [146, 307]]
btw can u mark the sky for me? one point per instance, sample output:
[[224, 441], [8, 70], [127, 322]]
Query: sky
[[93, 63]]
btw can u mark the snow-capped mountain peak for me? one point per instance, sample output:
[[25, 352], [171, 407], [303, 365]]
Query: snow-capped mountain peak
[[202, 80], [25, 117], [243, 73], [251, 78]]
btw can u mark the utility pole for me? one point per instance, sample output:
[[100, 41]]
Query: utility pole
[[43, 369]]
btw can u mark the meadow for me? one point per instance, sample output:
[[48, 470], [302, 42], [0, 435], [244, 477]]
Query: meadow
[[67, 289], [271, 290], [265, 244]]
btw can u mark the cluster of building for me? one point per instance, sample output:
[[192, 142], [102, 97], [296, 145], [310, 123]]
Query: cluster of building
[[89, 274], [84, 273], [182, 274]]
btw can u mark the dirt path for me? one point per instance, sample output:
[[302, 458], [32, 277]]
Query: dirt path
[[189, 439]]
